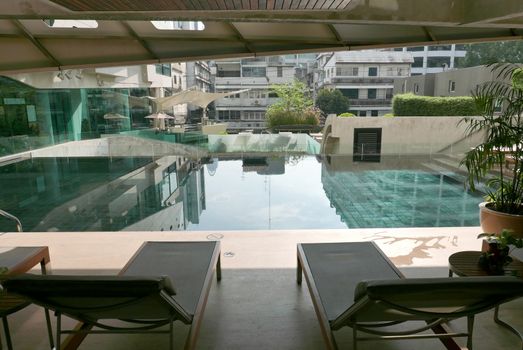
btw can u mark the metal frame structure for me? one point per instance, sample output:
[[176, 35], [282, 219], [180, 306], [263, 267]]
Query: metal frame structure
[[125, 35]]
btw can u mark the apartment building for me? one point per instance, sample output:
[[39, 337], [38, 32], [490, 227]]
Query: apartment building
[[198, 75], [456, 82], [435, 58], [365, 77], [247, 110]]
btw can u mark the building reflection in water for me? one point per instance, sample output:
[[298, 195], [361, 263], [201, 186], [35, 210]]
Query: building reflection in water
[[103, 194]]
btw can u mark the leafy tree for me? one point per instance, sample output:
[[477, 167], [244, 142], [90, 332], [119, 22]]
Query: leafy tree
[[332, 101], [295, 106], [293, 97], [494, 52]]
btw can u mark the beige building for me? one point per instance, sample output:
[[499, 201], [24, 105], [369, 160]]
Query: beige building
[[457, 82], [365, 77]]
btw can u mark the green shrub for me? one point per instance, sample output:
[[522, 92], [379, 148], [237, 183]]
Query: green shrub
[[412, 105], [309, 116], [346, 114], [388, 115]]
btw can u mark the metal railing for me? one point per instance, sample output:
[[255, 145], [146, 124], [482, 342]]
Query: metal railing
[[14, 218]]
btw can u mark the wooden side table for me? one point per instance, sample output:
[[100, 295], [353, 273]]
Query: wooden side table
[[17, 260], [466, 264]]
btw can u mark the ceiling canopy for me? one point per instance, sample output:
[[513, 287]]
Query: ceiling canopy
[[63, 34]]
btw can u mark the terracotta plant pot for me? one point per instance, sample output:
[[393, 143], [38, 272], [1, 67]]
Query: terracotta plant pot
[[492, 221]]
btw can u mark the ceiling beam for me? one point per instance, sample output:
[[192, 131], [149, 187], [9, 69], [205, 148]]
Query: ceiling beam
[[429, 34], [36, 43], [336, 34], [136, 37], [240, 37]]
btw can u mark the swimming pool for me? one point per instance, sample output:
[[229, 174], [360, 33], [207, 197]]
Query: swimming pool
[[227, 193]]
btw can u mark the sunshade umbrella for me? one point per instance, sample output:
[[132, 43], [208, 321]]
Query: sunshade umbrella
[[160, 115]]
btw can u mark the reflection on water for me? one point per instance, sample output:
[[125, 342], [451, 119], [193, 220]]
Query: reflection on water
[[228, 193]]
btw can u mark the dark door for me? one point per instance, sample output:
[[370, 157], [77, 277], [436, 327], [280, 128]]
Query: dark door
[[367, 145]]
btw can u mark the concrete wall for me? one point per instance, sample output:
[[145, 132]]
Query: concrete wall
[[400, 135]]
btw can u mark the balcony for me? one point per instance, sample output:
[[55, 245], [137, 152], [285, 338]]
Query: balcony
[[371, 102], [366, 80], [238, 81]]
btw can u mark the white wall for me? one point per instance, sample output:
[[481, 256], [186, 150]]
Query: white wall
[[400, 135]]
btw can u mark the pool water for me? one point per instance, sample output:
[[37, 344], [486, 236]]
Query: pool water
[[242, 193]]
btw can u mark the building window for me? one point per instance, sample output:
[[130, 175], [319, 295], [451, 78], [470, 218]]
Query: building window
[[416, 48], [440, 48], [254, 72], [373, 113], [279, 72], [373, 71], [452, 86], [163, 69], [221, 73], [363, 113], [371, 94], [350, 93], [418, 62], [438, 62], [346, 71]]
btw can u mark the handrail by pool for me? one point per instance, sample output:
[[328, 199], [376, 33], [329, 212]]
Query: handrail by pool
[[14, 218]]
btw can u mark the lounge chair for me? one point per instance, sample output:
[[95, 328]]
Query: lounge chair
[[339, 276], [162, 283]]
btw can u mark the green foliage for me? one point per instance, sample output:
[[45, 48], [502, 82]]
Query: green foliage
[[499, 248], [388, 115], [413, 105], [503, 240], [309, 116], [517, 79], [332, 101], [346, 115], [488, 53], [293, 107], [293, 97], [503, 134]]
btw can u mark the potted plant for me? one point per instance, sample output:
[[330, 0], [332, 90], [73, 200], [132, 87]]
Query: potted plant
[[500, 103], [496, 256]]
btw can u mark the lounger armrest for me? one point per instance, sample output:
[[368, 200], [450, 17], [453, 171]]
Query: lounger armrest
[[465, 287], [40, 286]]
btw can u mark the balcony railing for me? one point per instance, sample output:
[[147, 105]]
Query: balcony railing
[[370, 102], [367, 80]]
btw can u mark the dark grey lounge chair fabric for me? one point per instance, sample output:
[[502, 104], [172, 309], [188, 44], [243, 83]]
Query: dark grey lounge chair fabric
[[356, 285], [428, 298], [93, 298], [162, 283]]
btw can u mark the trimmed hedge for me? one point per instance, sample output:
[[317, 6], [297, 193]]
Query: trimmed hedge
[[405, 105], [347, 114]]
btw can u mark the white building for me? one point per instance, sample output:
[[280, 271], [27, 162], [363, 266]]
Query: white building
[[198, 76], [365, 77], [435, 58], [247, 110]]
